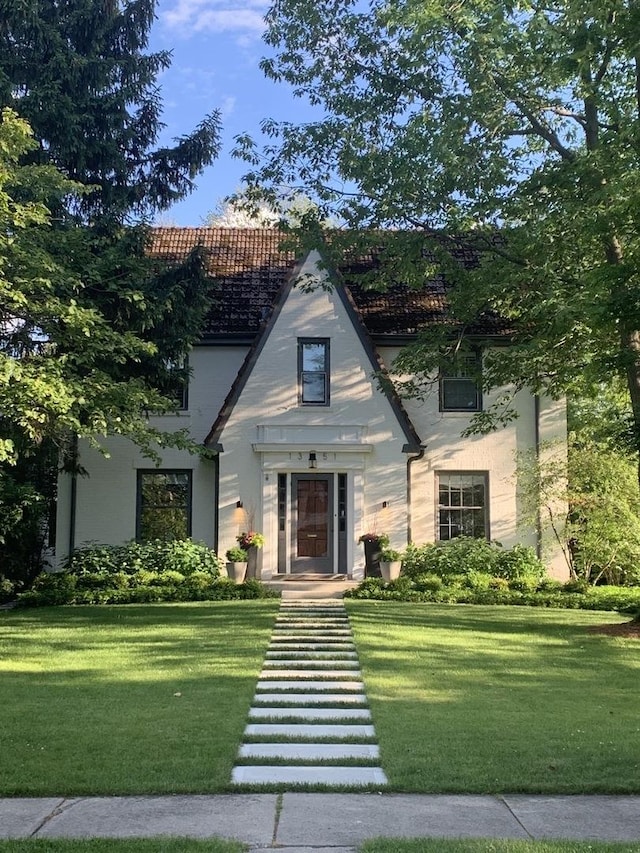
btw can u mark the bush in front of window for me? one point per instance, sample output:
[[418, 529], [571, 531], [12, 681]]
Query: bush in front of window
[[469, 562], [177, 570]]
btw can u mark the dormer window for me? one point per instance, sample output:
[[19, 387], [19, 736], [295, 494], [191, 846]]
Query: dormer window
[[313, 371]]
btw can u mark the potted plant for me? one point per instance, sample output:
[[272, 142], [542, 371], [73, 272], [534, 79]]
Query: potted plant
[[373, 544], [237, 563], [250, 541], [390, 564]]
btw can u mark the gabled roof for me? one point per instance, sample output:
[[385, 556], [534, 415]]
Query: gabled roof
[[413, 443], [250, 269]]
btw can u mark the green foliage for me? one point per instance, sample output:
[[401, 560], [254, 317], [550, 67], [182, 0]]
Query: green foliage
[[469, 561], [484, 590], [465, 118], [86, 84], [88, 321], [237, 555], [390, 555], [178, 570], [474, 571], [590, 502], [250, 539], [160, 556]]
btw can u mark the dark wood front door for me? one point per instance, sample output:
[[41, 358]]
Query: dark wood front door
[[312, 529]]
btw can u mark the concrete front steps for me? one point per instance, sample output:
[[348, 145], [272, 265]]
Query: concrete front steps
[[310, 714]]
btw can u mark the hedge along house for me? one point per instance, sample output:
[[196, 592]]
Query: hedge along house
[[306, 446]]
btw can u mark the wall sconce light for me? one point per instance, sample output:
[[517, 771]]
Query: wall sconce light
[[239, 504], [312, 460], [384, 504]]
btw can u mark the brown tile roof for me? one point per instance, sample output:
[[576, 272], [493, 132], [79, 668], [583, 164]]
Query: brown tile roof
[[250, 266]]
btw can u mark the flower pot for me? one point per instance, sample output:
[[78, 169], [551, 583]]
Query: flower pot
[[237, 572], [252, 564], [372, 549], [390, 571]]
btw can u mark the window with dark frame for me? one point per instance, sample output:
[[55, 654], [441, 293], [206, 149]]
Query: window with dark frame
[[313, 371], [178, 383], [163, 505], [460, 383], [462, 505]]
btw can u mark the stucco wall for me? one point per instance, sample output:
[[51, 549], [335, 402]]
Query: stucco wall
[[495, 453], [106, 499], [270, 398]]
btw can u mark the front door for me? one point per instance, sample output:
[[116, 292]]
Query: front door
[[312, 529]]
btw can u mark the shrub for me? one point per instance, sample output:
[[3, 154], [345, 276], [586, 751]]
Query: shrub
[[179, 570], [551, 594], [237, 555], [177, 555], [520, 565], [471, 564]]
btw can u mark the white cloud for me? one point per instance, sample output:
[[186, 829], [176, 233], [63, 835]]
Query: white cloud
[[244, 17]]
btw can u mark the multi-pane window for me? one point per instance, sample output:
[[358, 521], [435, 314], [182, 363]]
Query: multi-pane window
[[164, 505], [313, 371], [460, 384], [462, 505]]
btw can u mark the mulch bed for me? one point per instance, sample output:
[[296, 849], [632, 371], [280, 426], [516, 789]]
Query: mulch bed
[[629, 630]]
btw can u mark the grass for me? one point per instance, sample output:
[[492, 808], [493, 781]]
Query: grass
[[441, 845], [471, 699], [132, 845], [127, 700]]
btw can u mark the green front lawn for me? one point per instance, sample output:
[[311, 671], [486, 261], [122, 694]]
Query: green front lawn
[[500, 699], [127, 700]]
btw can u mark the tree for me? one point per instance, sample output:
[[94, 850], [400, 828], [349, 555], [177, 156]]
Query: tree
[[92, 330], [78, 73], [66, 367], [514, 123]]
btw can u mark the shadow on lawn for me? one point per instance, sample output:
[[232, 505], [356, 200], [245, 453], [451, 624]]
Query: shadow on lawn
[[482, 699], [127, 699]]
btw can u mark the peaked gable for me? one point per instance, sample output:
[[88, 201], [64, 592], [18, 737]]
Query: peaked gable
[[373, 361]]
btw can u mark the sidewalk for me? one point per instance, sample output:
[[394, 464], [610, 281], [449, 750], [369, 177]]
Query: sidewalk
[[319, 823]]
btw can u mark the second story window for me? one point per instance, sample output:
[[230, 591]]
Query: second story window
[[460, 382], [313, 371]]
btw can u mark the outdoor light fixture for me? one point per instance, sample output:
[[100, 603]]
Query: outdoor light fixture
[[312, 460], [239, 504]]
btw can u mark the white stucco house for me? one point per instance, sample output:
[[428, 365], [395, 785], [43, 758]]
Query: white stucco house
[[305, 445]]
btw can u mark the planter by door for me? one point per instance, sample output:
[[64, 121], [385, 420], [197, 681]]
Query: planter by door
[[252, 563], [390, 571], [372, 549], [237, 571]]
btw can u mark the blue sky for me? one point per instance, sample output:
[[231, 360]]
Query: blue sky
[[217, 48]]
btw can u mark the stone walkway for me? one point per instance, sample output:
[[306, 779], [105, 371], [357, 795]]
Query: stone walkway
[[310, 723]]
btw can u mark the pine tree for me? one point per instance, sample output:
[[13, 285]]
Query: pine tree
[[78, 72]]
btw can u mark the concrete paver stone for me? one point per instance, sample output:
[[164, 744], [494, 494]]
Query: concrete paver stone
[[310, 713], [309, 751], [288, 674], [309, 684], [309, 731], [310, 698], [289, 774]]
